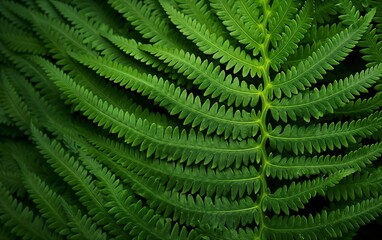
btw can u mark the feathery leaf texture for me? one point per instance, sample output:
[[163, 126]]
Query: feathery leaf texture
[[190, 119]]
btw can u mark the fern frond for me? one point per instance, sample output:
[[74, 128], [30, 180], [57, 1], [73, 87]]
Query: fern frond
[[325, 224], [13, 105], [32, 71], [213, 118], [210, 44], [10, 10], [330, 97], [298, 139], [58, 33], [155, 139], [361, 107], [296, 195], [137, 219], [281, 14], [195, 180], [47, 8], [20, 41], [372, 47], [247, 34], [100, 12], [199, 10], [190, 119], [293, 33], [90, 30], [81, 226], [324, 11], [317, 35], [47, 201], [148, 23], [133, 48], [361, 185], [335, 49], [250, 13], [42, 110], [294, 167], [211, 79], [80, 180], [185, 208], [350, 13], [21, 219], [11, 180]]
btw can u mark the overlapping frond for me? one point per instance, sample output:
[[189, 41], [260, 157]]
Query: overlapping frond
[[148, 22], [211, 117], [294, 167], [282, 14], [298, 139], [246, 33], [82, 226], [209, 43], [155, 139], [330, 97], [22, 221], [296, 195], [329, 54], [48, 203], [327, 224], [366, 185], [293, 33], [211, 79], [227, 182], [80, 180]]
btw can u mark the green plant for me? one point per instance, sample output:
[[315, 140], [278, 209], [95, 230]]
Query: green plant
[[190, 119]]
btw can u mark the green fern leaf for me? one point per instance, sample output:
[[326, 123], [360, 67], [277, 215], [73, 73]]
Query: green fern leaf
[[295, 196], [299, 139], [21, 220], [208, 43], [334, 50], [317, 102]]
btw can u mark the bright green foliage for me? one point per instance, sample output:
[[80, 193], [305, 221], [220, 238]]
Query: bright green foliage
[[190, 119]]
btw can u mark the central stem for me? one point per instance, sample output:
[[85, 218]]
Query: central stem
[[264, 191]]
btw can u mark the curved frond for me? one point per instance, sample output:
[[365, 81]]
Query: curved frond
[[293, 33], [294, 167], [209, 183], [325, 224], [137, 219], [282, 12], [47, 201], [199, 10], [210, 44], [298, 139], [80, 180], [13, 105], [247, 34], [21, 219], [155, 139], [211, 79], [366, 185], [361, 107], [212, 117], [330, 97], [81, 226], [296, 195], [334, 50], [148, 22]]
